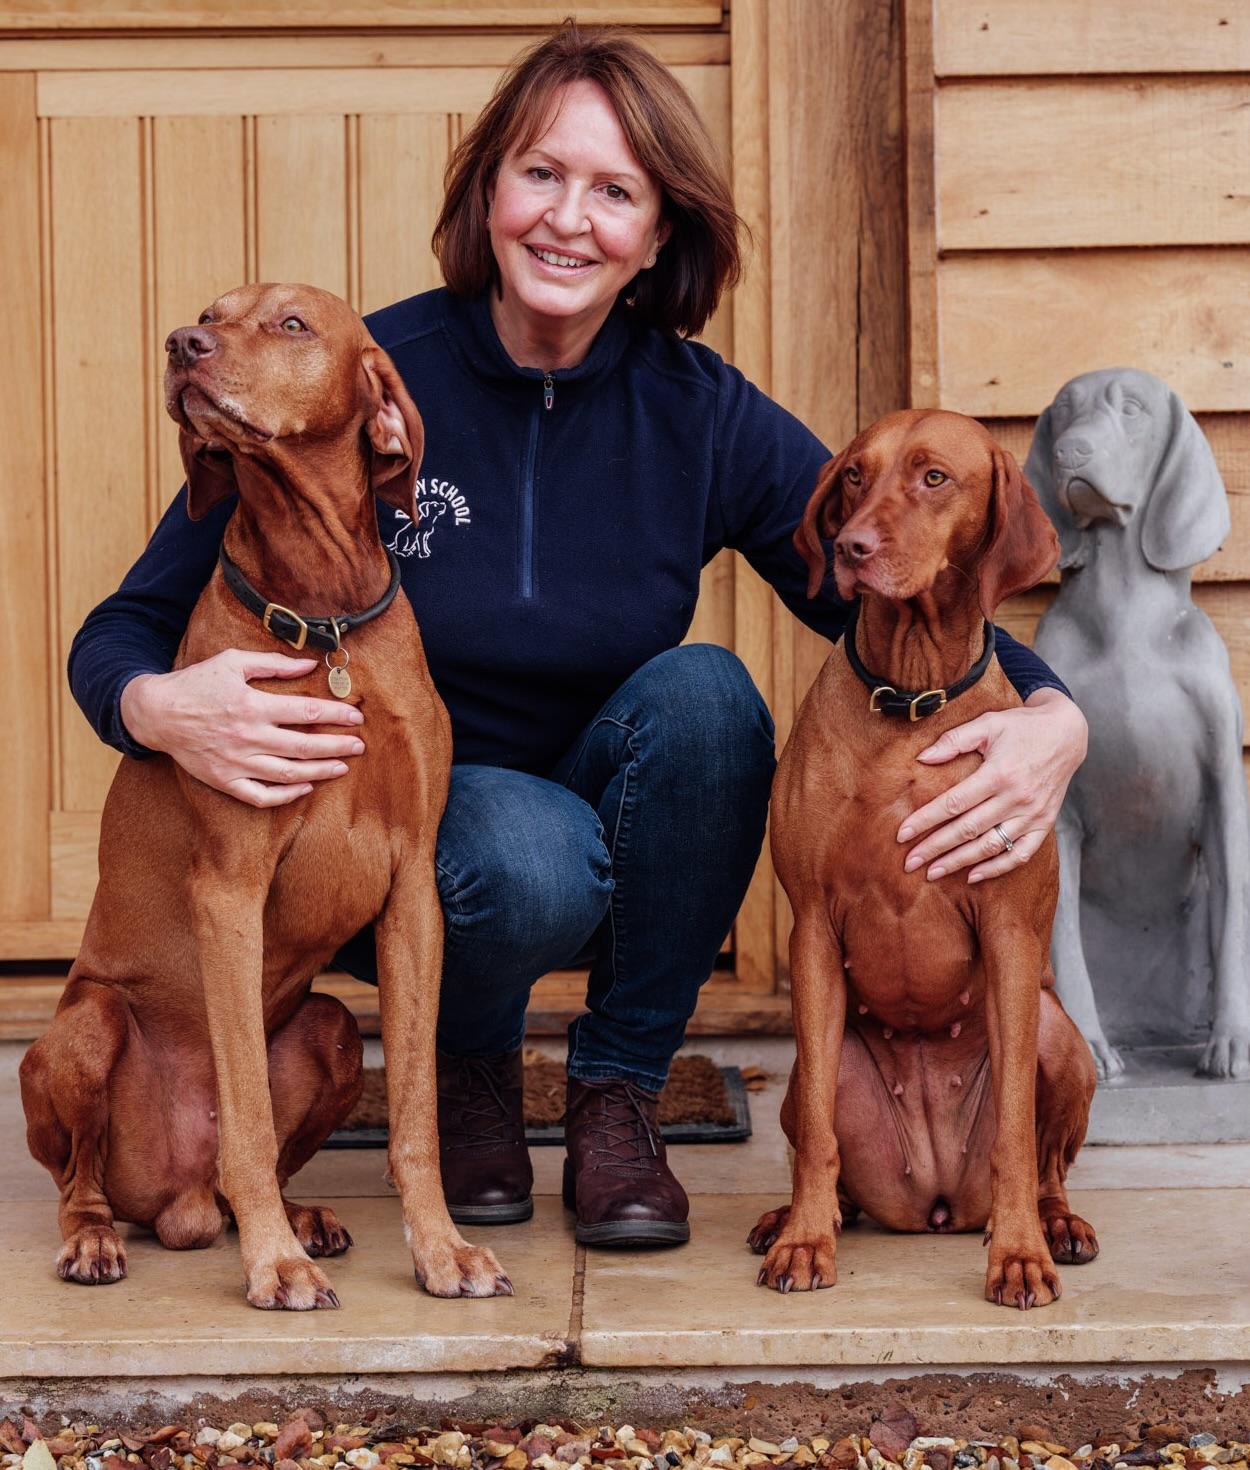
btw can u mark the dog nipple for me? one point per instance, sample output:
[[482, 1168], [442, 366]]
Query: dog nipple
[[898, 1089], [887, 1032], [964, 997], [863, 1010], [957, 1081], [955, 1029], [906, 1168]]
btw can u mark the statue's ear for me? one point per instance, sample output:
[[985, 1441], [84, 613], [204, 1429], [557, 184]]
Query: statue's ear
[[393, 430], [822, 520], [1186, 516], [210, 474]]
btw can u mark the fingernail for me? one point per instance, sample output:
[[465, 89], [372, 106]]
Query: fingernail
[[358, 747], [912, 863], [904, 833], [937, 872], [356, 718], [975, 877], [339, 768]]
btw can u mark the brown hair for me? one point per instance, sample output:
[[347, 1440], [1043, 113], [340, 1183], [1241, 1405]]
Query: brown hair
[[700, 258]]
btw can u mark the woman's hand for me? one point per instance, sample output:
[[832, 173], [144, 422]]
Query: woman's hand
[[231, 736], [1029, 757]]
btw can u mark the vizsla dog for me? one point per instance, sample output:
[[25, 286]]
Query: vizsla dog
[[189, 1072], [938, 1084]]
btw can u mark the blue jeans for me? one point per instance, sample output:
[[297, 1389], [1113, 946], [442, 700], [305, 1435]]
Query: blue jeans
[[635, 855]]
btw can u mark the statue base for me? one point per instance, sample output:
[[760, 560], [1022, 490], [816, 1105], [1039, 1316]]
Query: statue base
[[1158, 1099]]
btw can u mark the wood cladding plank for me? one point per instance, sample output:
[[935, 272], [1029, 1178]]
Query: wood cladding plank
[[199, 245], [922, 326], [402, 160], [301, 201], [481, 48], [25, 723], [1106, 161], [289, 92], [1016, 37], [75, 863], [85, 15], [1015, 327], [101, 394]]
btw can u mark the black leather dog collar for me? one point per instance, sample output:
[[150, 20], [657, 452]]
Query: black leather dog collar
[[321, 632], [885, 699]]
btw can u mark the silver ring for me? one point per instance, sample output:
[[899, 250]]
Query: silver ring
[[1008, 844]]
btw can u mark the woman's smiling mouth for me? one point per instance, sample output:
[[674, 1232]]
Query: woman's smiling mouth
[[558, 259]]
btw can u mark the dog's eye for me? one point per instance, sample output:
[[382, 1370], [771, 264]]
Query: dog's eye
[[934, 477], [293, 324], [205, 317], [851, 475], [1130, 408]]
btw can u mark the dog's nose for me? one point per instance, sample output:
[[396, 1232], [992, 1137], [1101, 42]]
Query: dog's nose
[[189, 344], [857, 545], [1071, 453]]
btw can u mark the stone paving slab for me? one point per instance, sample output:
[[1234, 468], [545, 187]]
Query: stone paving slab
[[184, 1312], [1170, 1286]]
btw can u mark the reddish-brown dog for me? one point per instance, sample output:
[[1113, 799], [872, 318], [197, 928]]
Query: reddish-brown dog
[[189, 1072], [938, 1083]]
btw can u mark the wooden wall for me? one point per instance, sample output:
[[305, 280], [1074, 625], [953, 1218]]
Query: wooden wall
[[1079, 197]]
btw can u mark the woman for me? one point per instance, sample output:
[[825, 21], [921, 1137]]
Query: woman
[[583, 461]]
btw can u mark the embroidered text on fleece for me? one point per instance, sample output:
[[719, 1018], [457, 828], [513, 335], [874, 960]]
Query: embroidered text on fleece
[[562, 523]]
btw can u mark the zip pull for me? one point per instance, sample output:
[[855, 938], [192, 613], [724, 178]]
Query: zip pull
[[549, 391]]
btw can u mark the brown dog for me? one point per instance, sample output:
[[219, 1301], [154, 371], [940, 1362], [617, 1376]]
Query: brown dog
[[188, 1071], [925, 1023]]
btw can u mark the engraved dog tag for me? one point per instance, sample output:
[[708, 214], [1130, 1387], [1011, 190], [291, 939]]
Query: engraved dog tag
[[340, 682]]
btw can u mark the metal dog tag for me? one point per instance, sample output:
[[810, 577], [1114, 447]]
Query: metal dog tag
[[340, 682]]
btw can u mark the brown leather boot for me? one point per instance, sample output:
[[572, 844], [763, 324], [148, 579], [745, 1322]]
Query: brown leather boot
[[616, 1177], [487, 1177]]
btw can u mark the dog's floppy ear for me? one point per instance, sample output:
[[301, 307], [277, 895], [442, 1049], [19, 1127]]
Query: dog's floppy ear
[[1185, 517], [393, 431], [1023, 544], [1039, 471], [210, 474], [822, 518]]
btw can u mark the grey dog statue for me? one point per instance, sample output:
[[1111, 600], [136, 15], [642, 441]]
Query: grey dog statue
[[1152, 935]]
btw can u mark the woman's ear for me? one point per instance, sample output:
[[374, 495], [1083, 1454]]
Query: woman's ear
[[822, 520]]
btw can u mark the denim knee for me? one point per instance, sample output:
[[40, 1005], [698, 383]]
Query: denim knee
[[523, 873]]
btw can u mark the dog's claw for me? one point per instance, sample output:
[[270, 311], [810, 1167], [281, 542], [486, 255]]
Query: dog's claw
[[327, 1299], [759, 1280], [504, 1286]]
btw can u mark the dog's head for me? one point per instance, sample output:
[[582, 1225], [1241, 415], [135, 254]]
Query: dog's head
[[270, 371], [925, 500], [1116, 446]]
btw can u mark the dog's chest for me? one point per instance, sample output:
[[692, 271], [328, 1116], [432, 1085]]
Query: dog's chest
[[332, 879]]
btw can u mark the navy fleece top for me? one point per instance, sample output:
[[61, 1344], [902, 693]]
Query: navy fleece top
[[563, 521]]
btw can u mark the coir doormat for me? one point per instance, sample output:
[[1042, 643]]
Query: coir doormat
[[703, 1103]]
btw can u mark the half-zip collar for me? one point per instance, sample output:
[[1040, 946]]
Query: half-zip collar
[[470, 330]]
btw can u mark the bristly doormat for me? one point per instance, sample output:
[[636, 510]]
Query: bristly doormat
[[703, 1103]]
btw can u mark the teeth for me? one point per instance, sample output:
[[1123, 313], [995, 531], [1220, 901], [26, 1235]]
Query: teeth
[[553, 259]]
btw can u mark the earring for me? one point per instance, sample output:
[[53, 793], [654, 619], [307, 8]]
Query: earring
[[650, 261]]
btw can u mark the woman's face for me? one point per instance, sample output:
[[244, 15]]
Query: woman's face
[[573, 218]]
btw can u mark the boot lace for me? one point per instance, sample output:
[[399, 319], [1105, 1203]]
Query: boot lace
[[479, 1117], [624, 1139]]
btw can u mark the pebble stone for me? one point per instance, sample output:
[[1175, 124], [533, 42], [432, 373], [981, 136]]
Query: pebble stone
[[385, 1446]]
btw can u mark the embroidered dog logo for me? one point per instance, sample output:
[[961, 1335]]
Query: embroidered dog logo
[[434, 499]]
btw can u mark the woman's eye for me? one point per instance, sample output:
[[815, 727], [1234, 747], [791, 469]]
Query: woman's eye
[[934, 477], [541, 174], [614, 191], [293, 324]]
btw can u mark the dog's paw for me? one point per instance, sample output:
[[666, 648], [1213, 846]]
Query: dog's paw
[[318, 1229], [767, 1228], [455, 1268], [1227, 1053], [93, 1256], [1071, 1240], [1022, 1277], [796, 1264], [291, 1285]]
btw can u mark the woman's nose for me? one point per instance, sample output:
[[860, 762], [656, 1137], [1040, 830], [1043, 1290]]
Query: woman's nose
[[567, 216]]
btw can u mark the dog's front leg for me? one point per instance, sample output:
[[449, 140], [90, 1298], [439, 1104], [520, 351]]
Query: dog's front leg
[[1020, 1271], [803, 1256], [1226, 847], [228, 931], [409, 937]]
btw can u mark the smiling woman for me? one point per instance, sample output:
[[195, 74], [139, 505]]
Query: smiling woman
[[610, 783]]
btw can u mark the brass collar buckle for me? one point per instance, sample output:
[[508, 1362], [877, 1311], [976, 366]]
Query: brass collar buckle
[[877, 695], [276, 607], [914, 714]]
